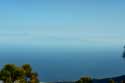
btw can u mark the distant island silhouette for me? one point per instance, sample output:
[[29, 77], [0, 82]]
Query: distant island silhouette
[[117, 79]]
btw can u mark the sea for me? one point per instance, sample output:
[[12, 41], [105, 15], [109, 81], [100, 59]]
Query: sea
[[67, 63]]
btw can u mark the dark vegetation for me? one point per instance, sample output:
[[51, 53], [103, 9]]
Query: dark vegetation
[[120, 79], [11, 73]]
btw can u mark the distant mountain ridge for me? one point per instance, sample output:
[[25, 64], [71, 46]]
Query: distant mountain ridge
[[106, 80], [117, 79]]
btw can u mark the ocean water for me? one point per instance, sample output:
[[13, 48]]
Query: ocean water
[[65, 64]]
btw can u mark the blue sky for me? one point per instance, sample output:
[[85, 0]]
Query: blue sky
[[62, 22]]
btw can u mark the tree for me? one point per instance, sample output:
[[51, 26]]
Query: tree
[[86, 80], [5, 76], [27, 68], [19, 74], [11, 73], [78, 81], [34, 78], [111, 81]]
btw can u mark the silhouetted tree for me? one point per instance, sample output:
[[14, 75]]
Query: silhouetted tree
[[86, 80], [111, 81], [78, 81]]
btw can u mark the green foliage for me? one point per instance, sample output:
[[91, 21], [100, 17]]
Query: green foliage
[[84, 80], [5, 75], [27, 68], [34, 78], [11, 73]]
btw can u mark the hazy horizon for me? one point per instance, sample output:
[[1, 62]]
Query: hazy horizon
[[62, 23]]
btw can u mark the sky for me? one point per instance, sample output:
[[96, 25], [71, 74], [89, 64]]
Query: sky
[[62, 23]]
